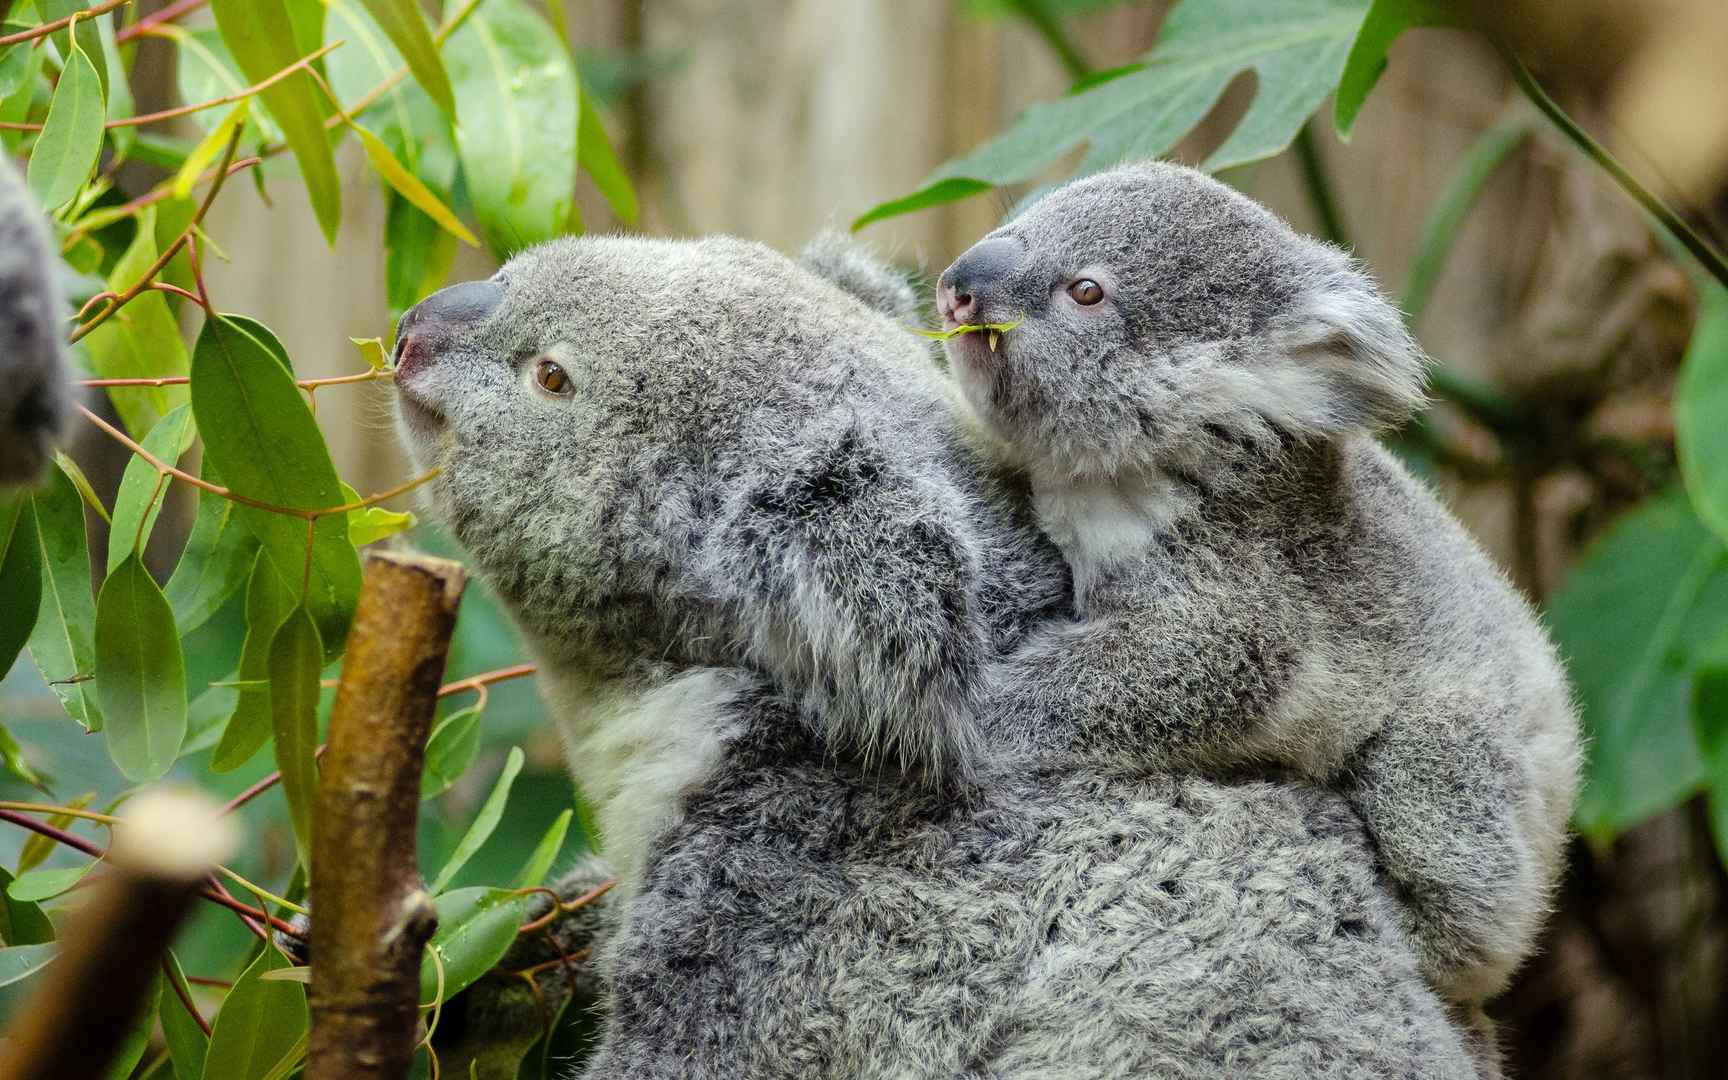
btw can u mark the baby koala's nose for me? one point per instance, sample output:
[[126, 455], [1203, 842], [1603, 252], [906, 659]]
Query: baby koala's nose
[[968, 286], [447, 311]]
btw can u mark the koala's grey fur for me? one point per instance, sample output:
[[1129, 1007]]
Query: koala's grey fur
[[1259, 582], [750, 544], [35, 380]]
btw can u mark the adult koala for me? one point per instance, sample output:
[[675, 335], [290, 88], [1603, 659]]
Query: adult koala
[[732, 509], [36, 392]]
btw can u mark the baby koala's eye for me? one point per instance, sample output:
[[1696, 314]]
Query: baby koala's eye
[[551, 376], [1086, 292]]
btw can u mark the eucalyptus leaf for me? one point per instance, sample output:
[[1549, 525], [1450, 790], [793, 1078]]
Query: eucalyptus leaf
[[1385, 21], [261, 1022], [491, 811], [20, 576], [19, 962], [600, 161], [405, 22], [260, 34], [268, 602], [21, 921], [1701, 412], [1627, 620], [296, 659], [39, 885], [139, 501], [450, 751], [475, 928], [518, 102], [142, 674], [187, 1043], [261, 436], [142, 341], [63, 644], [217, 560], [539, 864], [1295, 47], [71, 137]]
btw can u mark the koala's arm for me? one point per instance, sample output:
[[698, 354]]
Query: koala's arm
[[35, 381], [853, 566]]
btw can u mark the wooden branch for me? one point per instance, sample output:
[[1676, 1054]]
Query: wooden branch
[[371, 915], [164, 847]]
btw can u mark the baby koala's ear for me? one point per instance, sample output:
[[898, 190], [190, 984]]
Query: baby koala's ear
[[851, 571], [851, 264], [1361, 368]]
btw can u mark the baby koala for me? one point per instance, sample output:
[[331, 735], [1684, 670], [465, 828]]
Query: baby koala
[[1192, 391], [35, 380]]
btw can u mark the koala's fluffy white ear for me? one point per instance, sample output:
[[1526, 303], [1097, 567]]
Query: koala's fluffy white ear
[[852, 578], [1348, 359], [838, 258]]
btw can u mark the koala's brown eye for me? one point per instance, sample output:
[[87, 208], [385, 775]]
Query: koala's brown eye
[[1086, 292], [552, 377]]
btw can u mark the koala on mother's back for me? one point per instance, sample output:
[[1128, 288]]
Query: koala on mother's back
[[731, 507]]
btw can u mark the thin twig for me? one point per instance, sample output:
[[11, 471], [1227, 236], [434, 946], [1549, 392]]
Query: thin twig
[[304, 63], [60, 24], [485, 679], [172, 250], [150, 22], [184, 993]]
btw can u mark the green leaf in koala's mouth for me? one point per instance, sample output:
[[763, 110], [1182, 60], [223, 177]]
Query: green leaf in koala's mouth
[[968, 328]]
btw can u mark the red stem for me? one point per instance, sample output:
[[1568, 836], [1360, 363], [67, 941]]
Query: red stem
[[168, 14]]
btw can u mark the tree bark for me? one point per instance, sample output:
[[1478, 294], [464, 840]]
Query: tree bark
[[371, 913]]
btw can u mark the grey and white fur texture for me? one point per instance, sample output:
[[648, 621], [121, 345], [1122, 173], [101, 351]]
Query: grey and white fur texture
[[35, 380], [733, 510], [1193, 391]]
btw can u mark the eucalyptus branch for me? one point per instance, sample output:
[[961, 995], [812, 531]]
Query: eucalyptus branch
[[47, 28], [485, 679], [168, 253], [184, 993], [304, 63], [1711, 259], [166, 15], [182, 380]]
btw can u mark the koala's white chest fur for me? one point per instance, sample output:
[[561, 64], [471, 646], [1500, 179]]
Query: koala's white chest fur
[[1101, 523], [636, 747]]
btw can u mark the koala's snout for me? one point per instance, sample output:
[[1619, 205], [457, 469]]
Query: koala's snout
[[432, 321], [969, 286]]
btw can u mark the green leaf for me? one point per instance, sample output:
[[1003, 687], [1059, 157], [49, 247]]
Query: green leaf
[[1626, 622], [46, 884], [21, 921], [141, 341], [141, 675], [210, 148], [15, 107], [207, 718], [518, 103], [484, 822], [139, 500], [63, 644], [405, 22], [261, 37], [1385, 21], [13, 756], [409, 187], [260, 1023], [261, 436], [450, 751], [205, 72], [82, 483], [539, 863], [414, 128], [115, 88], [1701, 412], [296, 658], [475, 928], [417, 255], [83, 31], [1295, 47], [71, 136], [14, 59], [268, 602], [373, 352], [218, 558], [599, 160], [19, 962], [370, 524], [37, 848], [20, 577], [187, 1043]]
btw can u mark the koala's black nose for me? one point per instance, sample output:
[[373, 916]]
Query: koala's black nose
[[468, 302], [966, 287], [445, 311]]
